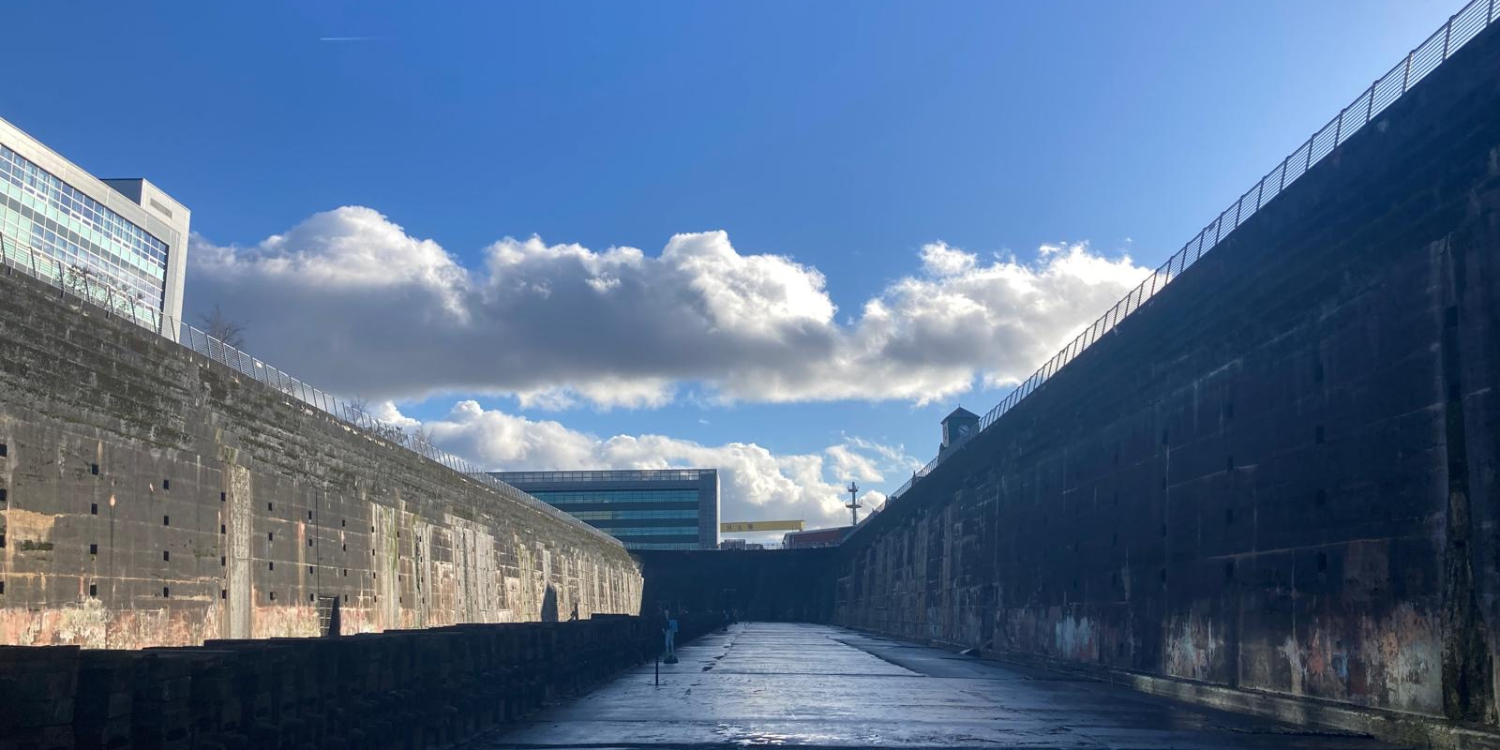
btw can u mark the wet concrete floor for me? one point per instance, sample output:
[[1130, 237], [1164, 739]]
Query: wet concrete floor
[[820, 686]]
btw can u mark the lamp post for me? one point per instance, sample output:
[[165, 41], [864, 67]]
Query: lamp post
[[854, 505]]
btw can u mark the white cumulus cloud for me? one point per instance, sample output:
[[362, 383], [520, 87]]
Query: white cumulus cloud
[[348, 300], [755, 483]]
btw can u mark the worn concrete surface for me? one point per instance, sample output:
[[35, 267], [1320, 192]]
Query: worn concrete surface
[[821, 686], [151, 497]]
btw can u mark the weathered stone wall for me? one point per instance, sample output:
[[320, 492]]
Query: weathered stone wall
[[1280, 475], [406, 690], [149, 496]]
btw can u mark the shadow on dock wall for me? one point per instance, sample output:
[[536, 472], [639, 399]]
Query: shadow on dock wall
[[1281, 476], [408, 689], [764, 585]]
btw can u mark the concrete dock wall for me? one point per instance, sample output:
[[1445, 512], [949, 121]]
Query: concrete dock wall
[[766, 585], [404, 690], [1280, 475], [151, 497]]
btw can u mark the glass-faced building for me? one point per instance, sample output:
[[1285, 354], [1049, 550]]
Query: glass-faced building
[[120, 243], [654, 509]]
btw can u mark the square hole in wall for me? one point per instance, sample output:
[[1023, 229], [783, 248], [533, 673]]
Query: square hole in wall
[[94, 469], [166, 520], [166, 556], [166, 592], [273, 596], [4, 495], [223, 561], [309, 542], [270, 506], [93, 509], [346, 572], [341, 523], [346, 598], [270, 536], [94, 590], [271, 565], [166, 485], [2, 587], [311, 597], [309, 570], [346, 546], [309, 515], [221, 528], [223, 496], [4, 450], [93, 549], [223, 593]]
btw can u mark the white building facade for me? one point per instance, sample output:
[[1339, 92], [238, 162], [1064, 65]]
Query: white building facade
[[122, 243]]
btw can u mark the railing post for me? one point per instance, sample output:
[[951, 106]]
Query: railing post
[[1447, 35], [1406, 76], [1338, 128], [1308, 165], [1370, 105]]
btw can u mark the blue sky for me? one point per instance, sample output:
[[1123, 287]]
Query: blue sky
[[840, 137]]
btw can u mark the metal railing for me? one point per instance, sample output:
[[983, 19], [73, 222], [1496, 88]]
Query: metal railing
[[96, 289], [607, 475], [1460, 28]]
